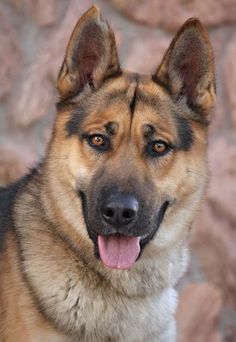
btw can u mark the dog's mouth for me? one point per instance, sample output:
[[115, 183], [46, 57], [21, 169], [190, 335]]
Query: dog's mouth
[[118, 251], [115, 249]]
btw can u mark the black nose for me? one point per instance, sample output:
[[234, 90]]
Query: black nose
[[119, 209]]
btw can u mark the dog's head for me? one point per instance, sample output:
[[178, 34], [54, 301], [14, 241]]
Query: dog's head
[[128, 150]]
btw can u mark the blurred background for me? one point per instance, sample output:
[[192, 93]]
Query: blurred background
[[33, 37]]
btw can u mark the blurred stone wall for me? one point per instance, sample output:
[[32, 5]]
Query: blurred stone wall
[[33, 36]]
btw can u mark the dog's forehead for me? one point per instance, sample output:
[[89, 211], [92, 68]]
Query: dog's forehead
[[132, 87], [131, 100], [127, 96]]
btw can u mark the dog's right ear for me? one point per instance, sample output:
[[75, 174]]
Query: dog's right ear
[[91, 55]]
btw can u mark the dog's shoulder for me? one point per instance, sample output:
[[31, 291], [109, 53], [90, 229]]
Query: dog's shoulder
[[7, 199]]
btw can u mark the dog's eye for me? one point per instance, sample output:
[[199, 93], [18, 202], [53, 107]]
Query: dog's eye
[[158, 148], [98, 141]]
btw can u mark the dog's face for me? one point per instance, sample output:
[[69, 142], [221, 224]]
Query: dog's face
[[132, 147]]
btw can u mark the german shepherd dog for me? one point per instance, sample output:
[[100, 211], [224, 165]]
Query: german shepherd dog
[[94, 239]]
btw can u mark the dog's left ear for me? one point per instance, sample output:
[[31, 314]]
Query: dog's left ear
[[91, 55], [187, 68]]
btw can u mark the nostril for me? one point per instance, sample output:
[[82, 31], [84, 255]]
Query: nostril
[[128, 214], [108, 213]]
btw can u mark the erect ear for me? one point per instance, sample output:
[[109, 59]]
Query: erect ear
[[187, 68], [90, 57]]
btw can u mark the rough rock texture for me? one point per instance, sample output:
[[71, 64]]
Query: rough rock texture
[[13, 162], [198, 313], [214, 233], [10, 57], [33, 36], [229, 74], [170, 14]]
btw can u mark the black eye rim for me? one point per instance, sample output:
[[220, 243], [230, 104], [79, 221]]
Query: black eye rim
[[155, 154], [104, 147]]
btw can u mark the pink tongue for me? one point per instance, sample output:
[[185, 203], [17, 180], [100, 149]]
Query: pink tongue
[[118, 251]]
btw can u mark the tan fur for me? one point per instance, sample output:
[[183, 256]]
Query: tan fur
[[52, 286], [20, 318]]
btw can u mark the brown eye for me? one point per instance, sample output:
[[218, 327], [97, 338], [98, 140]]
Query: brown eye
[[159, 147], [97, 140]]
